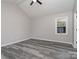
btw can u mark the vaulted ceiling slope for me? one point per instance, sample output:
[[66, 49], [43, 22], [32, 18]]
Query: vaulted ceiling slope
[[48, 7]]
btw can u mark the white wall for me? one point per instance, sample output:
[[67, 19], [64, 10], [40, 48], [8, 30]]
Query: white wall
[[44, 28], [15, 25]]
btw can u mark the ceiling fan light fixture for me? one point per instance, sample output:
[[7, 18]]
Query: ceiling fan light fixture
[[34, 0]]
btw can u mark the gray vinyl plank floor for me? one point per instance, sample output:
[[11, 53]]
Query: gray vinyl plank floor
[[34, 51]]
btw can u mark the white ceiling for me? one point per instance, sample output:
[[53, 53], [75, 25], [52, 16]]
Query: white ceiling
[[48, 7]]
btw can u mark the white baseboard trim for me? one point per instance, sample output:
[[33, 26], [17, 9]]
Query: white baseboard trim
[[15, 42], [35, 38], [51, 40]]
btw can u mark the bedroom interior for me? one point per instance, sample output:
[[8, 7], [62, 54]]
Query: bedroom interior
[[38, 29]]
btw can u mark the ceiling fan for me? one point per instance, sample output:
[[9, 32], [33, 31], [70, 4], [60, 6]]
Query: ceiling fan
[[33, 1]]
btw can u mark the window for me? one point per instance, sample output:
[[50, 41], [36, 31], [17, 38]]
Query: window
[[61, 25]]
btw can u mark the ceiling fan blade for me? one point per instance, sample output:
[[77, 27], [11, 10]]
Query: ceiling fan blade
[[39, 2], [32, 3]]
